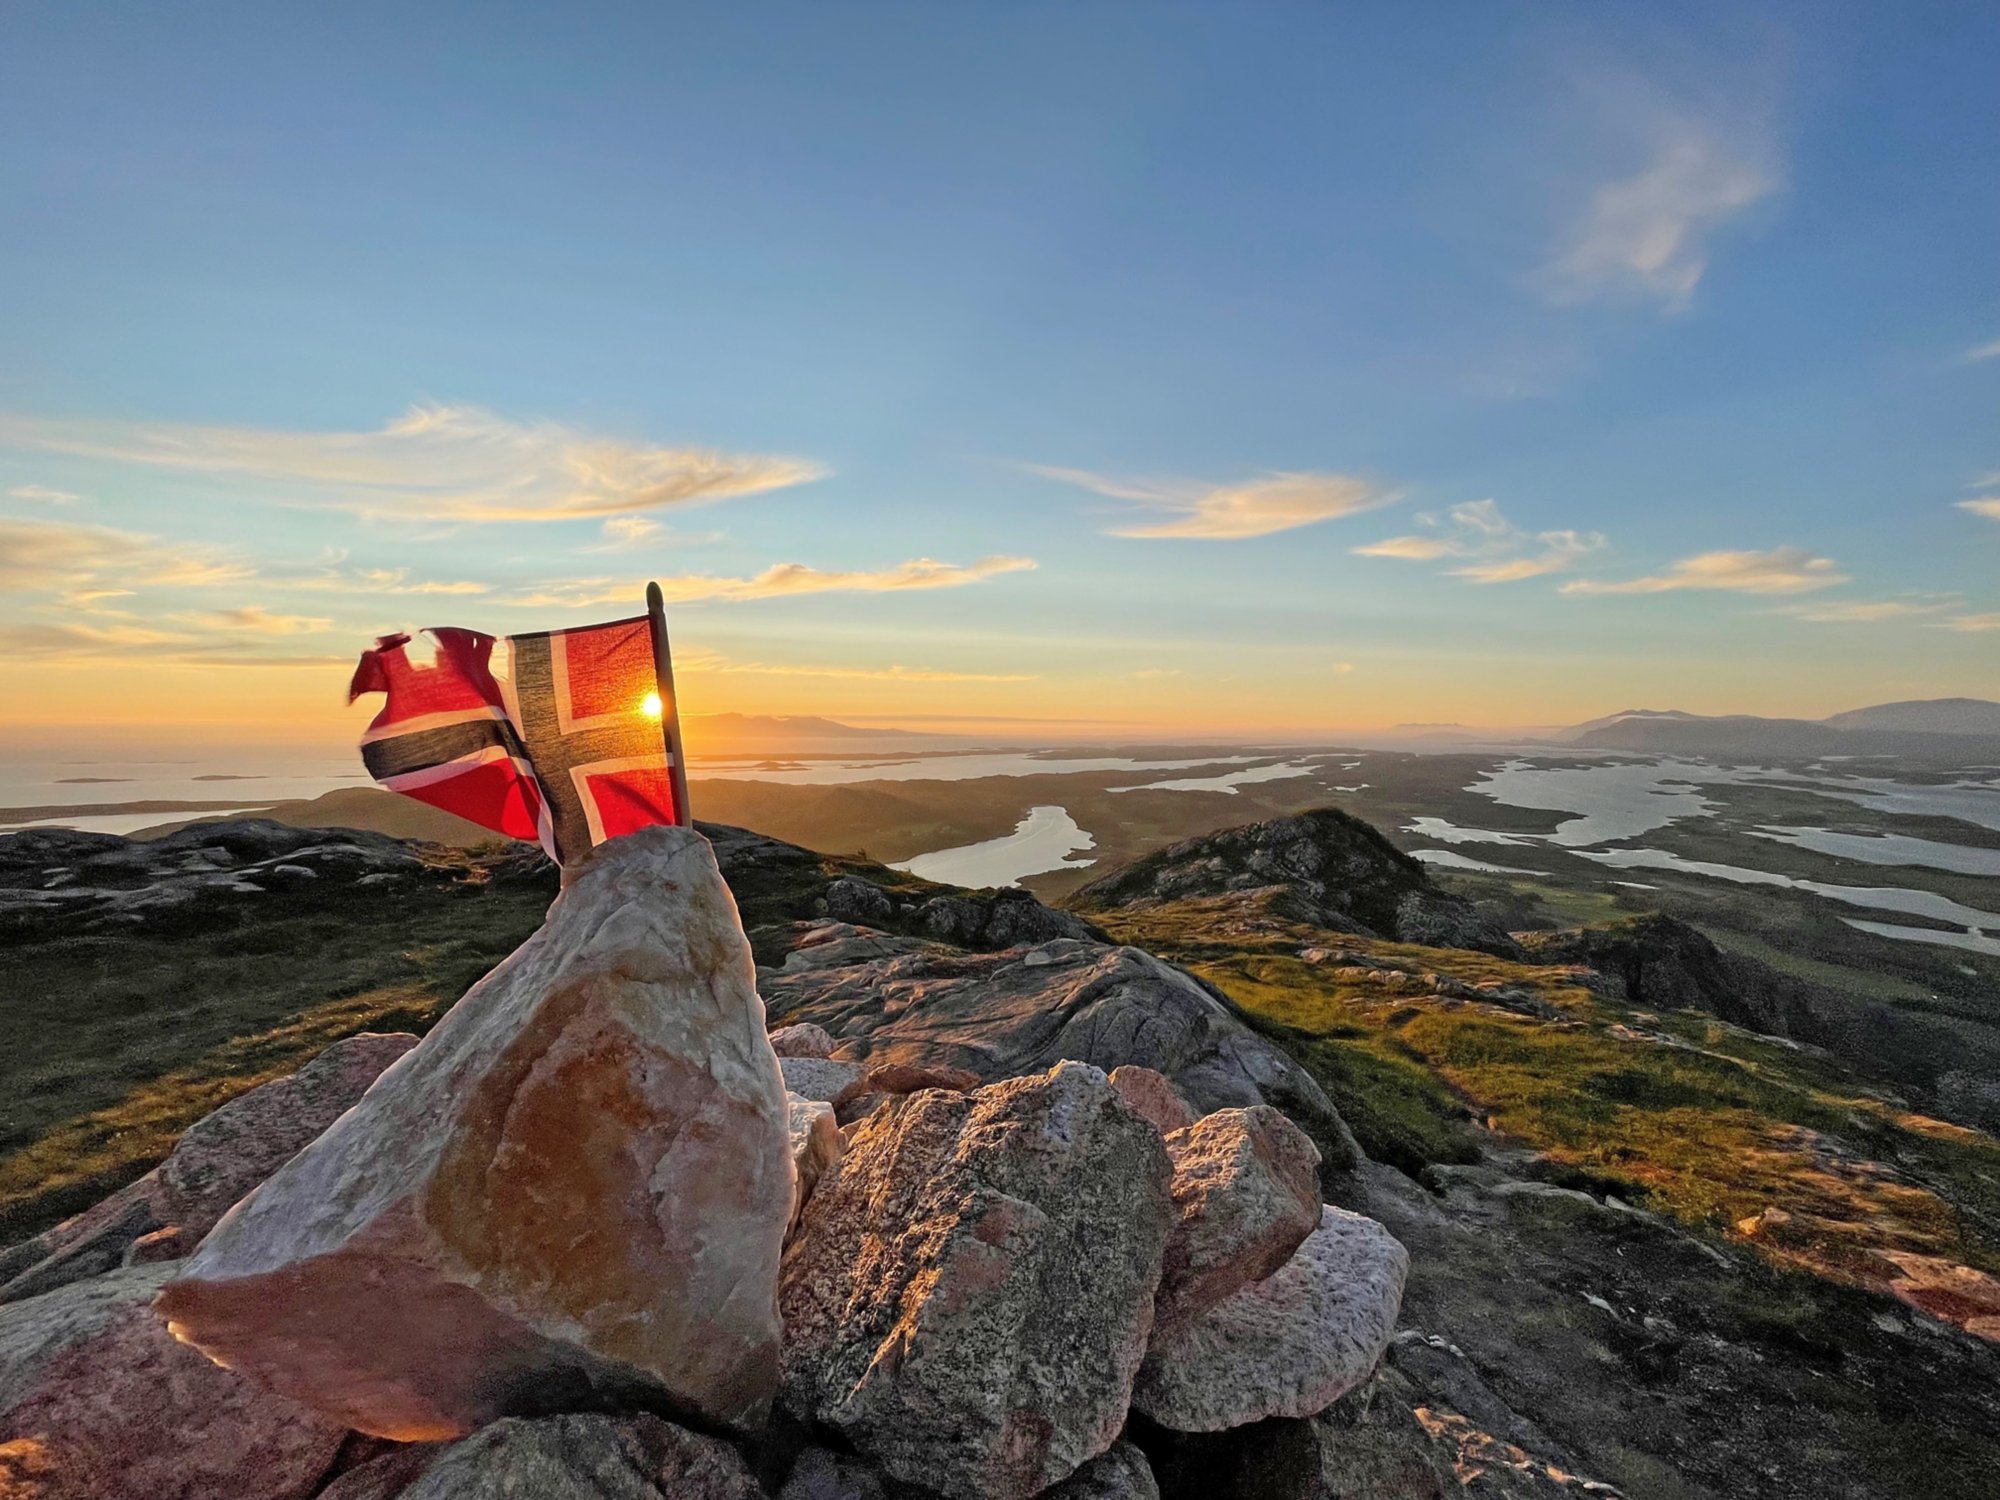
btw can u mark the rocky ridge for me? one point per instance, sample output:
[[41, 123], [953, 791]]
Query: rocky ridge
[[1323, 867], [1552, 1334]]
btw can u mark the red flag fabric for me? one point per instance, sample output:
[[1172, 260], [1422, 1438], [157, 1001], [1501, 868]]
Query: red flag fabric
[[564, 748]]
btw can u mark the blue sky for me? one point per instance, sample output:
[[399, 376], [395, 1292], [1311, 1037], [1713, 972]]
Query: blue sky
[[1332, 365]]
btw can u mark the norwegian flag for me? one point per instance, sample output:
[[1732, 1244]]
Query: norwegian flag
[[572, 746]]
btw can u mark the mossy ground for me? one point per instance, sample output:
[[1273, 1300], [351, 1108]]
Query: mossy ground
[[115, 1042], [1700, 1120]]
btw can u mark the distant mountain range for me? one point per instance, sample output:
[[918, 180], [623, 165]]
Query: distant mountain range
[[1948, 728]]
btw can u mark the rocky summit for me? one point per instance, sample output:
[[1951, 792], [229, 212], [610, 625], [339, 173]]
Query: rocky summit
[[1323, 867], [1279, 1172]]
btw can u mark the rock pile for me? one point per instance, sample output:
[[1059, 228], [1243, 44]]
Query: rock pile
[[989, 1225]]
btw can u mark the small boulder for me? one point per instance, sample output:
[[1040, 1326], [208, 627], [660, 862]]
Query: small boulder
[[822, 1474], [802, 1040], [1154, 1096], [574, 1192], [98, 1402], [1246, 1195], [969, 1295], [821, 1077], [1288, 1346], [816, 1147], [583, 1456], [1119, 1473], [911, 1078]]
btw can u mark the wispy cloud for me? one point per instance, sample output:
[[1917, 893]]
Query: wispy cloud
[[782, 581], [1647, 235], [1782, 570], [1231, 512], [53, 556], [1864, 611], [41, 494], [1982, 351], [384, 581], [1497, 550], [449, 463], [254, 619], [69, 642], [1985, 505], [1971, 622]]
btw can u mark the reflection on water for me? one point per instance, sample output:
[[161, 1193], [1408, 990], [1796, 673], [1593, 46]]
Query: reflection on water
[[1042, 841]]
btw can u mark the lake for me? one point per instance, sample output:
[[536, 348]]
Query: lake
[[1042, 841]]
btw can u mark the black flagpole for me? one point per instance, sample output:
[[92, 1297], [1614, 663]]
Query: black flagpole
[[670, 706]]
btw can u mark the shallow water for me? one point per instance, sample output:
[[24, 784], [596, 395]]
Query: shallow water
[[1976, 942], [1888, 849], [1450, 833], [1878, 898], [1042, 841], [1227, 781], [1447, 859]]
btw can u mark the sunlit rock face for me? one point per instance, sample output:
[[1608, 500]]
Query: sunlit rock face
[[575, 1191], [968, 1296], [1246, 1195]]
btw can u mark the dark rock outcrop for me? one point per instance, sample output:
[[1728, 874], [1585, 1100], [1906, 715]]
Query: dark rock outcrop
[[1664, 964], [1325, 867]]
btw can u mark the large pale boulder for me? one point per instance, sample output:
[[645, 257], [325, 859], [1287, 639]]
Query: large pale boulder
[[1288, 1346], [220, 1158], [1246, 1195], [969, 1294], [574, 1191], [583, 1456], [98, 1402]]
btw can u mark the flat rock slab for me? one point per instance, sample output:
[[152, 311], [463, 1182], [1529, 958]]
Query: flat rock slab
[[574, 1192], [969, 1294], [999, 1015], [1288, 1346], [98, 1402]]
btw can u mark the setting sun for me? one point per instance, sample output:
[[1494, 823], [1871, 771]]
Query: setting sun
[[651, 707]]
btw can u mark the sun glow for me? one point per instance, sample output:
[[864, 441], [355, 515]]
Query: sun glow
[[651, 707]]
